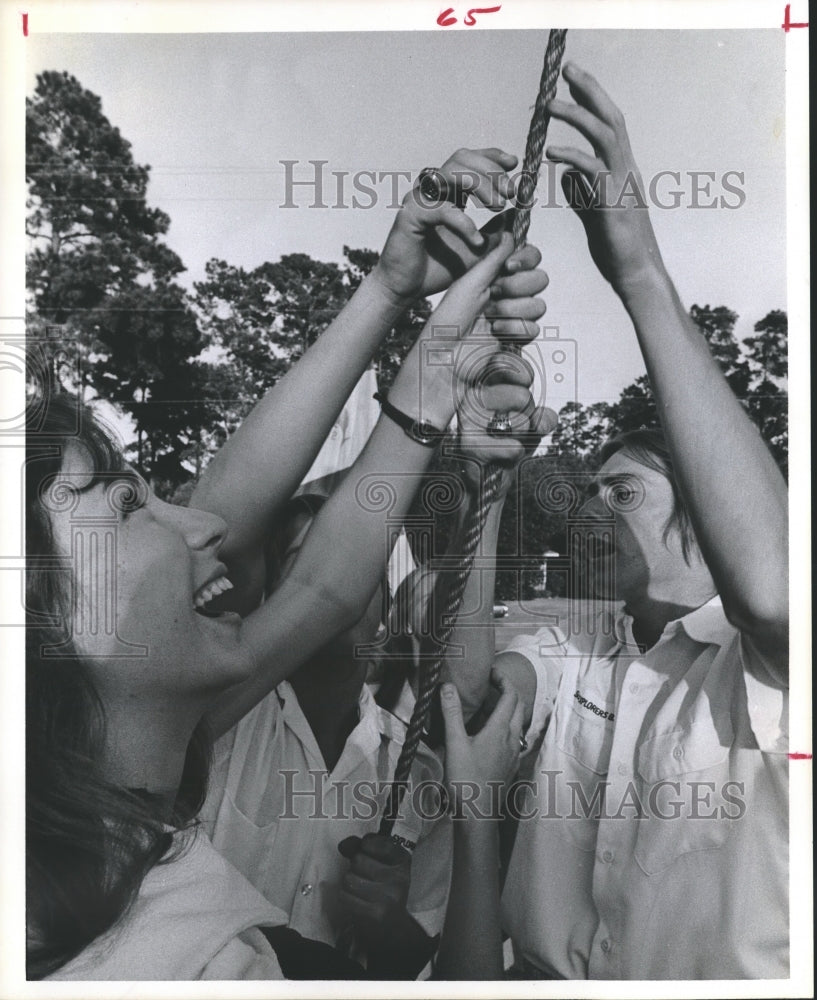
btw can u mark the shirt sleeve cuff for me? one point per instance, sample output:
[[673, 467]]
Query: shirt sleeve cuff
[[767, 701], [546, 686]]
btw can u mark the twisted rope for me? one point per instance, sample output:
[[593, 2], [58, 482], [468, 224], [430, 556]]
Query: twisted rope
[[430, 676], [535, 145]]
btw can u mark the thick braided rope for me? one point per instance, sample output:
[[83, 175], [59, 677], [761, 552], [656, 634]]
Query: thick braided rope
[[536, 135], [430, 676]]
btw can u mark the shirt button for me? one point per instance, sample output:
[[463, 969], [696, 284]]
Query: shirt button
[[306, 888], [606, 945], [677, 752], [633, 689], [606, 857], [621, 769]]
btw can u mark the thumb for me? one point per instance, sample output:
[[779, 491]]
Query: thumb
[[543, 422], [579, 194], [488, 267], [469, 295], [452, 714], [350, 846]]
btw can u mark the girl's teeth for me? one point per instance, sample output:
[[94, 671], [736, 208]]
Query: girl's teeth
[[213, 589]]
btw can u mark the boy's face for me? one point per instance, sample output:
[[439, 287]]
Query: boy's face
[[630, 556]]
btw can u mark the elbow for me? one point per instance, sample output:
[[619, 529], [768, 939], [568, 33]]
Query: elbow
[[764, 617], [336, 604]]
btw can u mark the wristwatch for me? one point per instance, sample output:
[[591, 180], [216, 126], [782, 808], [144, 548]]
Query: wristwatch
[[418, 430]]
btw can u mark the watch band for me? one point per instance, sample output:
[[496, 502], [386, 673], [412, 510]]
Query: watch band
[[418, 430]]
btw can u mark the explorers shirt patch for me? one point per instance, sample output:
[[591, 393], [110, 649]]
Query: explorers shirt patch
[[592, 707]]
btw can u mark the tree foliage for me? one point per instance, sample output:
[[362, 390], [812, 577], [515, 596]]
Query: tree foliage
[[97, 268], [262, 320], [755, 369], [188, 368]]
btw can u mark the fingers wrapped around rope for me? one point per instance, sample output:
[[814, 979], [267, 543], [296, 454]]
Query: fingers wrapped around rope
[[514, 304], [528, 423], [478, 173]]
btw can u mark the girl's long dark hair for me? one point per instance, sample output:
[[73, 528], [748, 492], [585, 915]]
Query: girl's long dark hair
[[89, 843]]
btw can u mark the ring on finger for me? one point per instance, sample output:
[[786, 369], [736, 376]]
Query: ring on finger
[[499, 425], [523, 744], [435, 188]]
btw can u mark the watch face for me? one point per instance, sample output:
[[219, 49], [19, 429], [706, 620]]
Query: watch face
[[423, 432]]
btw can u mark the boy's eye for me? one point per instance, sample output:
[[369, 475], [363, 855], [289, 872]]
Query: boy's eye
[[623, 494]]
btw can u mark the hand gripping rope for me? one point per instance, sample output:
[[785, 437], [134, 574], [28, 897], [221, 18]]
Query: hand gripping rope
[[430, 668]]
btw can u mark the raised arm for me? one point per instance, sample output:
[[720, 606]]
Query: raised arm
[[735, 492], [471, 943], [342, 558], [261, 465], [474, 631]]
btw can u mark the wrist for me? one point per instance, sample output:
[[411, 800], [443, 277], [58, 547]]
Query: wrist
[[645, 280], [380, 284], [422, 432], [424, 391]]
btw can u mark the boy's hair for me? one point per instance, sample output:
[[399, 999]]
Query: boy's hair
[[648, 446]]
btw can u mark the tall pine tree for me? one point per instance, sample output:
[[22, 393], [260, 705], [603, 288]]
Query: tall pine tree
[[98, 270]]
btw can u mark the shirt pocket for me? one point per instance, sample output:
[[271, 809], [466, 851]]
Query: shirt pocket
[[687, 798], [586, 739], [245, 843]]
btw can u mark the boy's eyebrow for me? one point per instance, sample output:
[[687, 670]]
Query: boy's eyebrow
[[615, 477]]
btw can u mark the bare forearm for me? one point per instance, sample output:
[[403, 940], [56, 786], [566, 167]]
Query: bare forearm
[[734, 490], [337, 570], [345, 552], [471, 944], [474, 629], [264, 461]]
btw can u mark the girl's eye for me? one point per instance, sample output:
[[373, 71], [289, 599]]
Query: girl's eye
[[127, 493]]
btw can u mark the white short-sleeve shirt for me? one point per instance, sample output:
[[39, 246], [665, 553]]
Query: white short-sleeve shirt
[[195, 918], [653, 842], [276, 813]]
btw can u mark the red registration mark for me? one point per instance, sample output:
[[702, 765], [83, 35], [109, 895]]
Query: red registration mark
[[788, 23]]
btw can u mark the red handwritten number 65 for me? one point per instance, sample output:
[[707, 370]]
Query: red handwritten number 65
[[446, 18]]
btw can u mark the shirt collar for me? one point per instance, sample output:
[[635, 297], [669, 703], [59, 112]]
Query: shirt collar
[[707, 624], [363, 740]]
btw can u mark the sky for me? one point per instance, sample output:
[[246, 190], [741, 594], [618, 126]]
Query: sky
[[215, 114]]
